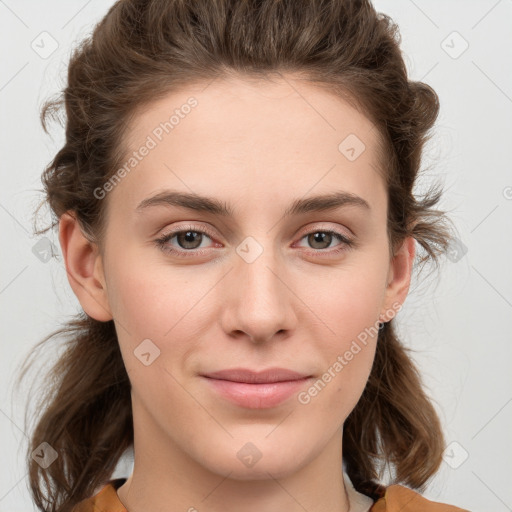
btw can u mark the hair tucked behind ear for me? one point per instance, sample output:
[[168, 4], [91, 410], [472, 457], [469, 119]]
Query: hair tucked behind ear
[[143, 50]]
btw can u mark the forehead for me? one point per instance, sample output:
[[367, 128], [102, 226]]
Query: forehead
[[251, 111], [253, 136]]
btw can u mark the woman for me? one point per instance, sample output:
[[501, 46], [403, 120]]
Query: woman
[[212, 149]]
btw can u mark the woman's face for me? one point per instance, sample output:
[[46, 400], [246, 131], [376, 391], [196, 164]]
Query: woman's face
[[258, 276]]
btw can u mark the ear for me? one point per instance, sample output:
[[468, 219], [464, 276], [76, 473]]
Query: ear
[[84, 269], [399, 278]]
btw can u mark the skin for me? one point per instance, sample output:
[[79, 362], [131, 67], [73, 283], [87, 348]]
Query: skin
[[257, 146]]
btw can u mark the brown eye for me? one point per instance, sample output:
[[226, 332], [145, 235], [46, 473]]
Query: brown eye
[[320, 239], [189, 239]]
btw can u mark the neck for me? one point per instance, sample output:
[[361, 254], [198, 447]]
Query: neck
[[166, 478]]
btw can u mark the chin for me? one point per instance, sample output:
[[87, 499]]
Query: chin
[[250, 463], [260, 471]]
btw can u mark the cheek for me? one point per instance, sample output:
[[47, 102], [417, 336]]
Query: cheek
[[153, 299], [350, 301], [159, 304], [349, 313], [346, 375], [347, 365], [163, 306]]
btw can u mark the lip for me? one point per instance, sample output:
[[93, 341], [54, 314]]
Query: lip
[[257, 377], [256, 389]]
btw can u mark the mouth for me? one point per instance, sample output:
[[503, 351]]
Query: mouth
[[257, 377], [256, 389]]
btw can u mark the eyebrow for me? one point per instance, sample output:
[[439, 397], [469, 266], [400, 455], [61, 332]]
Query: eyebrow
[[214, 206]]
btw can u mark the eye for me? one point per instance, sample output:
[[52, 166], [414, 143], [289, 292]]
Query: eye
[[188, 238], [320, 240]]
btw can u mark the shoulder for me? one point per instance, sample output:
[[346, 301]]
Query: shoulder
[[105, 499], [399, 498], [395, 498]]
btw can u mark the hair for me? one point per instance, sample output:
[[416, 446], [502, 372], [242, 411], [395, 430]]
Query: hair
[[143, 50]]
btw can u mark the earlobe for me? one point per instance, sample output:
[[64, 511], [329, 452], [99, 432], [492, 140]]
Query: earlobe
[[399, 278], [84, 269]]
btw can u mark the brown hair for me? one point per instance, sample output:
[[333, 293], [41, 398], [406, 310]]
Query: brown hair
[[143, 50]]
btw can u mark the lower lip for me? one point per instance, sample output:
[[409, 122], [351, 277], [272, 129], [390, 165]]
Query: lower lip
[[256, 396]]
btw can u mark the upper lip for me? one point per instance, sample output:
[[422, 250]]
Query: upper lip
[[257, 377]]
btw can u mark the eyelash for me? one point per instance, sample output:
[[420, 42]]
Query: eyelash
[[162, 242]]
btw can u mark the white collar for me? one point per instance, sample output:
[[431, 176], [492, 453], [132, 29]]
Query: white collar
[[358, 502]]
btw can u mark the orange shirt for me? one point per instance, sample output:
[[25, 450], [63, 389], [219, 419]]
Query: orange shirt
[[396, 499]]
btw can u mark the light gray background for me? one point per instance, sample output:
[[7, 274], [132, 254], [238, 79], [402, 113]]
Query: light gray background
[[459, 326]]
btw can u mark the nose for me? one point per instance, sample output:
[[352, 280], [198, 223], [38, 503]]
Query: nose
[[258, 297]]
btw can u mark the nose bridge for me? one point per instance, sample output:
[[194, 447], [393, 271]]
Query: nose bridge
[[260, 302]]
